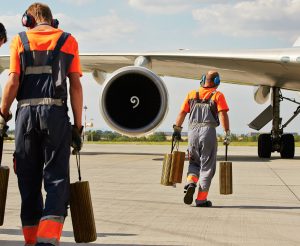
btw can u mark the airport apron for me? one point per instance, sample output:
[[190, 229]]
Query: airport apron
[[42, 141], [202, 146]]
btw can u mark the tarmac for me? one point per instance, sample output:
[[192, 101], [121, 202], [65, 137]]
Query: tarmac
[[131, 207]]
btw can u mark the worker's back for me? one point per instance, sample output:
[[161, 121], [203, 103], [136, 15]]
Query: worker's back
[[45, 59]]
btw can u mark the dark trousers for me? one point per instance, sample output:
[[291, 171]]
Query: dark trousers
[[42, 141]]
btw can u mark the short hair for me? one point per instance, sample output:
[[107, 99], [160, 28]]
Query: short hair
[[40, 12], [3, 35]]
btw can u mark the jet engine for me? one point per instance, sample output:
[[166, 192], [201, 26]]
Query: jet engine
[[261, 94], [134, 101]]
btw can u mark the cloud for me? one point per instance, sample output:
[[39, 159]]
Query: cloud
[[250, 18], [78, 2], [12, 24], [160, 6], [172, 6], [90, 33], [98, 29]]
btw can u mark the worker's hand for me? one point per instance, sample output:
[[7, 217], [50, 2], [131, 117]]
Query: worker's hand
[[3, 125], [76, 139], [227, 137], [177, 132]]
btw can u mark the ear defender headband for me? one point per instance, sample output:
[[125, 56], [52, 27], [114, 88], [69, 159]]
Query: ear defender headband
[[202, 80], [29, 21], [216, 80]]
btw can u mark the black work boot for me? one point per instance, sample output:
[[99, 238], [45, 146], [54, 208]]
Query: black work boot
[[189, 193], [204, 204]]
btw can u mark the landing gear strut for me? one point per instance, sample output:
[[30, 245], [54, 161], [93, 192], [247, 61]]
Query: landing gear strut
[[277, 141]]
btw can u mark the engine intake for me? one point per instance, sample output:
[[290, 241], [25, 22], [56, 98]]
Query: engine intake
[[134, 101]]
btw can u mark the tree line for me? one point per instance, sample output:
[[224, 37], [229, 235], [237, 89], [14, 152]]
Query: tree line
[[99, 135]]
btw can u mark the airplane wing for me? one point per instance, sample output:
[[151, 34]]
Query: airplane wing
[[272, 67], [276, 67], [134, 100]]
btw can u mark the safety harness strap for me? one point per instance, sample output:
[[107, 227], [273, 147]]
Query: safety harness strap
[[197, 99], [60, 42], [204, 100], [27, 52], [211, 95], [208, 99]]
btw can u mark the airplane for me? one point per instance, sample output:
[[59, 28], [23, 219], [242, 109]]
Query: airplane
[[134, 99]]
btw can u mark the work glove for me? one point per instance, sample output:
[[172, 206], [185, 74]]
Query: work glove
[[177, 132], [227, 137], [3, 125], [76, 142]]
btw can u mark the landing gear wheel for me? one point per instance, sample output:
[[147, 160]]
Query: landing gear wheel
[[264, 146], [287, 146]]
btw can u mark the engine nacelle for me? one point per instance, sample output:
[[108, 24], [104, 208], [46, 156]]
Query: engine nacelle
[[134, 101], [261, 94]]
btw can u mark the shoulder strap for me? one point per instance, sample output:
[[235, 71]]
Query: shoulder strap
[[207, 100], [27, 52], [60, 42], [211, 95]]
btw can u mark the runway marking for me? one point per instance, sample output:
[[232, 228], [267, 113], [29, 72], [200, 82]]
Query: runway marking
[[287, 186]]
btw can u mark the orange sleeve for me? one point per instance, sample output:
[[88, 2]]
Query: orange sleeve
[[75, 65], [14, 66], [186, 105], [221, 102]]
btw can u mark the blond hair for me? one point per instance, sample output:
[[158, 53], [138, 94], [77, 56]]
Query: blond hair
[[40, 12]]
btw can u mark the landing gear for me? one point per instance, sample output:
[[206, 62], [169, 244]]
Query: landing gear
[[277, 141], [264, 145], [287, 146]]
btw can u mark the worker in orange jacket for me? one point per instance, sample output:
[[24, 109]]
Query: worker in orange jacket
[[41, 61], [207, 108]]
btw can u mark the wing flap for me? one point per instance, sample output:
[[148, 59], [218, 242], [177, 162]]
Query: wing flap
[[262, 119]]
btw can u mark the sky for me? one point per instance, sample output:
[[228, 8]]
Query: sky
[[168, 25]]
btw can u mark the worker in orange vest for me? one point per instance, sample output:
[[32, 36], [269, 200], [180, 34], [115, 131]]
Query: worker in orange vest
[[207, 108], [41, 61]]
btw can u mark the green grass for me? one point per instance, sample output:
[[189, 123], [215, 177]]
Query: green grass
[[297, 144]]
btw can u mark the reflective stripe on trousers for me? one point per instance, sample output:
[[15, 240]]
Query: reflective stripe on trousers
[[202, 196], [192, 179], [50, 229], [29, 233]]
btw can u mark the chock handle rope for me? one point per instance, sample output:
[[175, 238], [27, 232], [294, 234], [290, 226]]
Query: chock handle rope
[[78, 164]]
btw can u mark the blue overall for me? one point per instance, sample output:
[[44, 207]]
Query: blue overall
[[203, 121], [43, 133]]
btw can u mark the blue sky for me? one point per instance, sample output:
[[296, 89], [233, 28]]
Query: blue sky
[[160, 25]]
